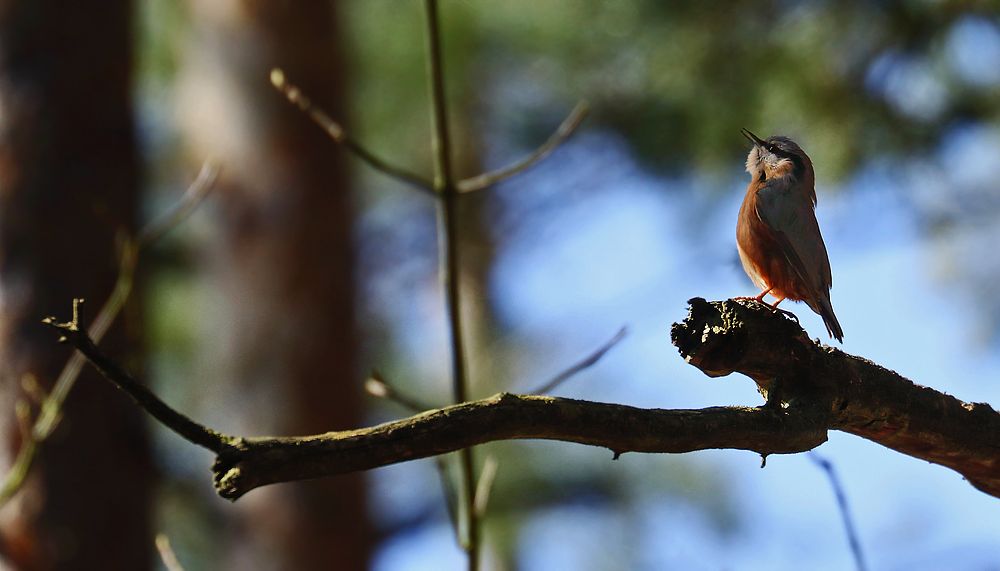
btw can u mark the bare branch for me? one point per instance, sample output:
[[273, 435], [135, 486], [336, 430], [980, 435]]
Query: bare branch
[[257, 462], [824, 388], [860, 397], [377, 386], [585, 363], [188, 429], [336, 132], [561, 135], [129, 258], [444, 185], [188, 203], [51, 406]]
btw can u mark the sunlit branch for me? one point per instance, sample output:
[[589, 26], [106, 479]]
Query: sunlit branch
[[561, 135], [336, 132]]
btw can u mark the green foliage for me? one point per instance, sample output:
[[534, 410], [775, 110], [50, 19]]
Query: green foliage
[[678, 79]]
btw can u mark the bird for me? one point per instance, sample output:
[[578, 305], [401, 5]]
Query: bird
[[777, 235]]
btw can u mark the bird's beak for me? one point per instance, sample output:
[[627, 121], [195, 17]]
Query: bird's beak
[[753, 138]]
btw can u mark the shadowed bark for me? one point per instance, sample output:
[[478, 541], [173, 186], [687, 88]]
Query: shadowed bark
[[857, 396], [811, 388]]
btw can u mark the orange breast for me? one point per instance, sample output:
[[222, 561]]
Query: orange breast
[[762, 255]]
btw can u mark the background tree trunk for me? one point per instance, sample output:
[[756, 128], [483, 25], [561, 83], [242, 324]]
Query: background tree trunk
[[282, 263], [68, 184]]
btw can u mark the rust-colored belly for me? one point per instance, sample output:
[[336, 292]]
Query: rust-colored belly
[[762, 256]]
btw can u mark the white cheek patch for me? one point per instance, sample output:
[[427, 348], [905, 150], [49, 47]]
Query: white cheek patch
[[753, 161]]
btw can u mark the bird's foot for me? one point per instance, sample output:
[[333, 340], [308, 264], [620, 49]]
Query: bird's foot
[[760, 299]]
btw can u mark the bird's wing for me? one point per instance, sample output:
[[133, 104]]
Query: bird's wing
[[788, 212]]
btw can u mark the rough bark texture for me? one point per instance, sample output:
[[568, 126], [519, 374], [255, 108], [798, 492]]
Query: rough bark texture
[[810, 387], [822, 388], [857, 395], [282, 262], [255, 462], [68, 184]]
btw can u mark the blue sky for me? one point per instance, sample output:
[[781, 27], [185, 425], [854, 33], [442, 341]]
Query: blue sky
[[627, 248]]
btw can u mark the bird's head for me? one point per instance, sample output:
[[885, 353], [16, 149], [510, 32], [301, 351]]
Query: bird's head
[[776, 157]]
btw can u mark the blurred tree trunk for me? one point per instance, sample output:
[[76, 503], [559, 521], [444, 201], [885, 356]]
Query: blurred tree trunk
[[282, 264], [68, 184]]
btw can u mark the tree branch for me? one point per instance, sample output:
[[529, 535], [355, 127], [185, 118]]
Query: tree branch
[[336, 132], [262, 461], [74, 333], [561, 135], [858, 396], [811, 388], [450, 266], [51, 404]]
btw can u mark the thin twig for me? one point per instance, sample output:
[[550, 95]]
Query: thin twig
[[336, 132], [444, 185], [167, 554], [585, 363], [196, 433], [561, 135], [51, 407], [377, 386], [845, 513], [129, 258], [188, 203]]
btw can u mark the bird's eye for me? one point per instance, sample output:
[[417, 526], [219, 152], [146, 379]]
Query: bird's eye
[[762, 176]]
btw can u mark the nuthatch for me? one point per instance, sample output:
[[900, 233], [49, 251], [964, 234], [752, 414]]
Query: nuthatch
[[777, 234]]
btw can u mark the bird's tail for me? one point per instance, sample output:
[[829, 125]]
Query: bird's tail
[[824, 308]]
